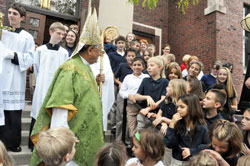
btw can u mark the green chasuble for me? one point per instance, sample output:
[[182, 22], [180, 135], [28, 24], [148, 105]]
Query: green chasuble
[[74, 88]]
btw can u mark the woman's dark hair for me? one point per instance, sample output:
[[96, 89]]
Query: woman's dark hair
[[77, 38]]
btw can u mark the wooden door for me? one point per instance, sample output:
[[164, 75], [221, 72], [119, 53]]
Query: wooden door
[[35, 25]]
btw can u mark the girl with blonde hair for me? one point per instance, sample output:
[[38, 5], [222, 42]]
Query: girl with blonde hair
[[175, 89], [225, 77], [203, 159], [226, 139], [5, 159], [244, 161]]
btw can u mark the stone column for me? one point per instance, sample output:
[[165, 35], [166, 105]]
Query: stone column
[[215, 6]]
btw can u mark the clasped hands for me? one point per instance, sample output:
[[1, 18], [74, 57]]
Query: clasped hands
[[8, 54]]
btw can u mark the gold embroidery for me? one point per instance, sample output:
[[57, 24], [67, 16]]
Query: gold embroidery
[[70, 66], [34, 138], [71, 113]]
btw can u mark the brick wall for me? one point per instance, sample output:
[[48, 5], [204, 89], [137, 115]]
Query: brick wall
[[210, 37], [3, 6], [229, 39], [192, 33], [84, 11], [156, 18]]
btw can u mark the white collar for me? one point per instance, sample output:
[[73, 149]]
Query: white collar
[[121, 53], [84, 61], [140, 76]]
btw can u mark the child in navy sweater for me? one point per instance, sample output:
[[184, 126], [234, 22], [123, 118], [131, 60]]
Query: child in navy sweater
[[187, 133], [152, 90], [214, 100]]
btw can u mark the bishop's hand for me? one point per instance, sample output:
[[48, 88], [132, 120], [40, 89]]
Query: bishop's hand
[[100, 78]]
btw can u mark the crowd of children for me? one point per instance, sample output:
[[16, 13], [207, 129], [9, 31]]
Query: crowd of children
[[193, 112], [171, 109]]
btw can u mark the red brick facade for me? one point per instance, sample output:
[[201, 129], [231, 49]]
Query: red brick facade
[[216, 36], [192, 33], [229, 39], [3, 5], [155, 18]]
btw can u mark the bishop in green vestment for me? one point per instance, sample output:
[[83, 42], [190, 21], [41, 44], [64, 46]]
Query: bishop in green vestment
[[74, 89]]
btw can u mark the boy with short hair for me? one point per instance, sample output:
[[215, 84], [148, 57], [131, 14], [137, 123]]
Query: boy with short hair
[[211, 103], [47, 60], [17, 51], [118, 57], [151, 48], [123, 70], [136, 45], [128, 90], [56, 146], [168, 59]]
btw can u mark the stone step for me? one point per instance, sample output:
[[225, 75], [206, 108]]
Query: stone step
[[108, 136], [21, 158], [25, 114], [28, 106], [25, 138], [26, 110], [26, 124], [109, 125]]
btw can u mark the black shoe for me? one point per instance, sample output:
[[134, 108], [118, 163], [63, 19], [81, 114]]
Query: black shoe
[[15, 149]]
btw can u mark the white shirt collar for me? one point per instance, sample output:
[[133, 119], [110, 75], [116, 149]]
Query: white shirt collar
[[140, 76], [84, 61], [121, 53]]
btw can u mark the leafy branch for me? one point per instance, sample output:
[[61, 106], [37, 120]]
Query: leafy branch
[[183, 4]]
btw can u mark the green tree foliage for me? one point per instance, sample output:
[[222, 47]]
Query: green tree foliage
[[182, 4]]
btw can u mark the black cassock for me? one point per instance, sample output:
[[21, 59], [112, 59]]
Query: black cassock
[[245, 94]]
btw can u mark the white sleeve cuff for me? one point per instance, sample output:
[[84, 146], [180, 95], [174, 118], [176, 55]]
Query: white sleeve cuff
[[59, 118]]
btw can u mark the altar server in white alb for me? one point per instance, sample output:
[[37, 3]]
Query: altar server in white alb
[[2, 120], [18, 57], [47, 60]]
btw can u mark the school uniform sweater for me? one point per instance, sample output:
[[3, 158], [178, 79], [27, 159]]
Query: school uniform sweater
[[177, 140]]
